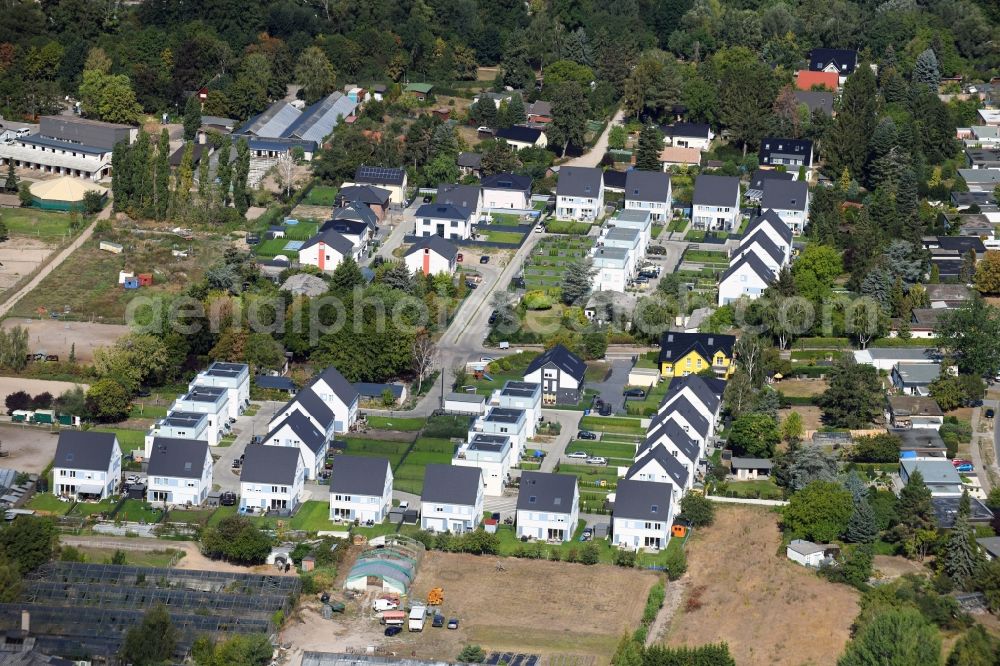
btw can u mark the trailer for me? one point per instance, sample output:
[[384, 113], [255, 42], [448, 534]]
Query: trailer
[[22, 416], [393, 618], [113, 248], [44, 416], [418, 614]]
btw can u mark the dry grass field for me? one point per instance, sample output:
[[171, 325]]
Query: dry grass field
[[57, 336], [743, 591], [801, 388]]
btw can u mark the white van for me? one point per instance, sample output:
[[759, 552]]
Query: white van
[[384, 605]]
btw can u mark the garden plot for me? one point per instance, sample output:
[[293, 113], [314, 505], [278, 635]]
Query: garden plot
[[545, 269]]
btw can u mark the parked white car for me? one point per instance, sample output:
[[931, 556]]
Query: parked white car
[[597, 460], [384, 605], [578, 454]]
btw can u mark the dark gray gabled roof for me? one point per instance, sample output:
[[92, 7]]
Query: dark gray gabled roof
[[439, 211], [647, 185], [756, 265], [784, 194], [341, 387], [698, 386], [507, 181], [760, 175], [358, 475], [642, 500], [579, 182], [378, 175], [519, 133], [469, 160], [684, 408], [435, 244], [761, 238], [542, 491], [332, 239], [773, 219], [357, 211], [366, 194], [303, 428], [816, 100], [450, 484], [465, 197], [771, 147], [90, 450], [844, 60], [180, 458], [689, 130], [716, 190], [671, 430], [673, 467], [270, 464], [563, 359], [675, 344], [313, 405]]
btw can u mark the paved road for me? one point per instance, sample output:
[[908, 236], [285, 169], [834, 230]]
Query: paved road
[[55, 262], [245, 428], [613, 386], [592, 157], [988, 474]]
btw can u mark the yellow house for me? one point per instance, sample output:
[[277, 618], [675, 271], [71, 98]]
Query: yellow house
[[683, 354]]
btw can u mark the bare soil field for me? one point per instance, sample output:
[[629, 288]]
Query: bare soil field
[[743, 591], [536, 607], [31, 448], [53, 336], [801, 388], [20, 256], [893, 566]]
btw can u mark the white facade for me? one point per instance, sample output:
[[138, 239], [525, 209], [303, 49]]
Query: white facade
[[806, 553], [700, 142], [757, 249], [428, 262], [181, 490], [524, 396], [312, 461], [583, 209], [795, 219], [639, 220], [549, 525], [642, 534], [447, 228], [181, 425], [613, 268], [345, 415], [322, 256], [774, 235], [744, 281], [363, 508], [213, 402], [260, 497], [234, 377], [493, 455], [70, 481], [658, 210], [455, 518], [506, 198], [62, 160], [512, 423], [648, 469], [716, 218]]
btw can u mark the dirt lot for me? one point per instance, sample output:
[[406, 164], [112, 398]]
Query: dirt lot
[[894, 566], [801, 388], [545, 608], [20, 256], [768, 609], [811, 416], [31, 449], [52, 336]]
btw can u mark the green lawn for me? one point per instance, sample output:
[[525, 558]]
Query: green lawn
[[36, 223], [604, 449], [501, 236], [192, 516], [505, 219], [138, 511], [648, 405], [568, 227], [706, 257], [145, 558], [49, 503], [392, 451], [762, 488], [592, 476], [612, 424], [394, 423], [313, 516], [678, 224], [221, 513], [274, 247], [321, 195], [83, 509], [129, 440], [142, 410]]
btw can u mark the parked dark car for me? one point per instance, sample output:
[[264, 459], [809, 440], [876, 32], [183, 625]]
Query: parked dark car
[[470, 284], [493, 316], [227, 498], [438, 621], [634, 393], [427, 199], [392, 631], [605, 409], [485, 259], [989, 413], [586, 434]]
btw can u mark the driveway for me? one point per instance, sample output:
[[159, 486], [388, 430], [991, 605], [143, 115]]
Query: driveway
[[592, 157], [245, 428], [985, 435], [611, 388]]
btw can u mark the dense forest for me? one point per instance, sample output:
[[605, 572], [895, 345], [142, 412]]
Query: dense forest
[[246, 51]]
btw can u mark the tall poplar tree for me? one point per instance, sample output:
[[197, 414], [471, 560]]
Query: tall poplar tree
[[241, 172], [161, 186], [847, 147]]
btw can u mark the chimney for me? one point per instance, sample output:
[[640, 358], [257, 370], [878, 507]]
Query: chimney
[[25, 621]]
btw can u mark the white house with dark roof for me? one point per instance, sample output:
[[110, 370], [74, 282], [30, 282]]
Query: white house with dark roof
[[506, 191], [360, 489], [774, 227], [560, 373], [716, 203], [297, 431], [521, 136], [705, 395], [638, 219], [613, 268], [179, 472], [746, 277], [181, 425], [308, 403], [643, 515], [452, 499], [234, 377], [507, 422], [688, 135], [548, 506], [659, 466], [392, 179], [326, 250], [526, 396], [374, 198], [465, 197], [649, 190], [271, 479], [761, 245], [444, 220], [431, 255], [212, 401], [690, 419], [789, 200], [87, 464], [339, 395], [788, 153], [580, 193], [669, 434], [493, 455], [842, 62]]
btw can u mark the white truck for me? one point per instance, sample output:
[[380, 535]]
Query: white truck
[[384, 604], [418, 614]]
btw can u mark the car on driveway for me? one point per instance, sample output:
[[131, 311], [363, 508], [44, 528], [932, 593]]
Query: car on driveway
[[578, 454], [634, 393], [597, 460], [471, 284], [989, 413], [604, 409], [965, 467], [493, 316], [586, 434], [485, 259]]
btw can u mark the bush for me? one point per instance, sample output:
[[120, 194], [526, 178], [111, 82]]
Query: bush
[[236, 539], [697, 510], [654, 602], [537, 300], [472, 654], [626, 558], [590, 554], [675, 564]]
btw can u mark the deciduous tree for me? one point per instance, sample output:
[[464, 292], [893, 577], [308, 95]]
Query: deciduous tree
[[896, 637], [971, 335], [854, 397], [819, 512], [152, 642], [315, 74]]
